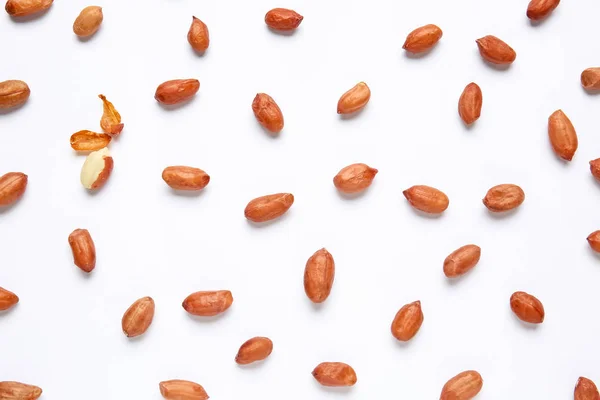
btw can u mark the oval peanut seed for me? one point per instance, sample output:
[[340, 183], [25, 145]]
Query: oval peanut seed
[[267, 113], [422, 38], [255, 349], [590, 78], [283, 19], [319, 274], [527, 308], [198, 36], [427, 199], [138, 317], [83, 249], [495, 50], [208, 303], [88, 22], [461, 260], [504, 197], [354, 178], [470, 103], [10, 390], [96, 169], [463, 386], [408, 321], [354, 99], [594, 241], [13, 93], [563, 137], [7, 299], [334, 374], [540, 9], [185, 178], [23, 8], [12, 187], [176, 91], [585, 389], [266, 208]]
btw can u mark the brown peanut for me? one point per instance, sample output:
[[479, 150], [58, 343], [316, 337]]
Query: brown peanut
[[84, 250], [19, 391], [13, 93], [461, 260], [198, 36], [255, 349], [354, 178], [504, 197], [427, 199], [334, 374], [267, 113], [319, 274], [563, 137], [354, 99], [88, 22], [422, 38], [7, 299], [138, 317], [527, 307], [176, 91], [208, 304], [540, 9], [408, 321], [185, 178], [283, 19], [23, 8], [585, 389], [463, 386], [590, 78], [266, 208], [12, 187], [495, 50], [470, 103], [594, 241]]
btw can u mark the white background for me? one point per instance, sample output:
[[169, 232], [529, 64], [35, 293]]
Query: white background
[[65, 334]]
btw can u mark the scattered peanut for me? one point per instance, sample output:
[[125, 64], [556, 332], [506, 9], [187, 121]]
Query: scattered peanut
[[138, 317], [334, 374], [208, 304], [427, 199], [198, 36], [185, 178], [88, 22], [176, 91], [89, 141], [268, 207], [504, 197], [354, 99], [354, 178], [12, 187], [83, 248], [19, 391], [96, 169], [470, 102], [422, 38], [13, 93], [255, 349], [408, 321], [527, 307], [111, 119], [540, 9], [23, 8], [563, 137], [318, 276], [495, 50], [7, 299], [463, 386], [461, 260], [182, 390], [267, 113], [283, 19]]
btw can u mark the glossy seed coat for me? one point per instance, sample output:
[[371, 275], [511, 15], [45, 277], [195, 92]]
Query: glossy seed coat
[[527, 307], [334, 374], [461, 260], [422, 38], [463, 386], [408, 321], [354, 178], [427, 199], [255, 349]]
